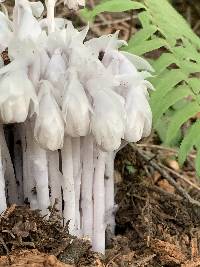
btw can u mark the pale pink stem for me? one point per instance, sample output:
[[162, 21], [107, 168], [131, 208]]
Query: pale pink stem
[[68, 185], [109, 193], [77, 169], [87, 186], [99, 204], [3, 204], [55, 179]]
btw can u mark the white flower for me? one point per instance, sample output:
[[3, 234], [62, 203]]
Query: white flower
[[133, 87], [108, 119], [25, 24], [16, 94], [6, 28], [74, 4], [55, 73], [139, 116], [75, 107], [105, 43], [49, 125]]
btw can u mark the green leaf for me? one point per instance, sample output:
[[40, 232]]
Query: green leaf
[[167, 19], [145, 19], [147, 46], [165, 60], [110, 6], [165, 83], [170, 99], [194, 84], [188, 142], [179, 118], [141, 36], [161, 127], [197, 162]]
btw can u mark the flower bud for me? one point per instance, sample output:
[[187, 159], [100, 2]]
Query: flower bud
[[74, 4], [108, 119], [16, 93], [49, 125], [139, 116], [75, 107]]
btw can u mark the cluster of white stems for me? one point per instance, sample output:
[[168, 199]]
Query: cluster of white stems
[[72, 102]]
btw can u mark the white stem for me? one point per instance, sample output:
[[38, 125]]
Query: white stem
[[9, 170], [87, 186], [28, 174], [18, 164], [68, 185], [38, 171], [3, 204], [50, 15], [24, 161], [55, 179], [109, 193], [77, 179], [99, 204]]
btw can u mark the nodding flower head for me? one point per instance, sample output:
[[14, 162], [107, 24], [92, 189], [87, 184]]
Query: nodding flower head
[[16, 94], [75, 108], [49, 124], [74, 4]]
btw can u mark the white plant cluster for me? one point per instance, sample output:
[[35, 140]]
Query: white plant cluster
[[72, 102]]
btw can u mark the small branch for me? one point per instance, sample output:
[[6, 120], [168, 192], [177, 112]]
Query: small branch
[[168, 149], [160, 169], [178, 175]]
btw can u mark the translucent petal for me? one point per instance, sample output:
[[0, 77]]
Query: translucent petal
[[118, 63], [55, 73], [139, 116], [73, 4], [105, 43], [75, 107], [44, 59], [34, 71], [138, 62], [108, 119], [49, 125], [16, 92], [59, 23], [28, 27], [5, 31], [37, 8]]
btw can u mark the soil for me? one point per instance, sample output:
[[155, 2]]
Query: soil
[[158, 203], [156, 225]]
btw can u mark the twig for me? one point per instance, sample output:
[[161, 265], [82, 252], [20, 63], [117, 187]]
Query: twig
[[6, 249], [8, 212], [164, 193], [184, 178], [111, 22], [143, 261], [178, 188], [171, 150]]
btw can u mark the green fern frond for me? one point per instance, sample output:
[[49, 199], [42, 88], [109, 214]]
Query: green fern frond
[[170, 99], [180, 117], [188, 142], [111, 6], [177, 64]]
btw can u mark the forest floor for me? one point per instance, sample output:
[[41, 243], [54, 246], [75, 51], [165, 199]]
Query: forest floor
[[158, 219], [158, 214]]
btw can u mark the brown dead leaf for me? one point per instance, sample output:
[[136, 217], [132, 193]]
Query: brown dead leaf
[[156, 176], [165, 185], [169, 253], [173, 164], [117, 177], [31, 258], [193, 263]]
